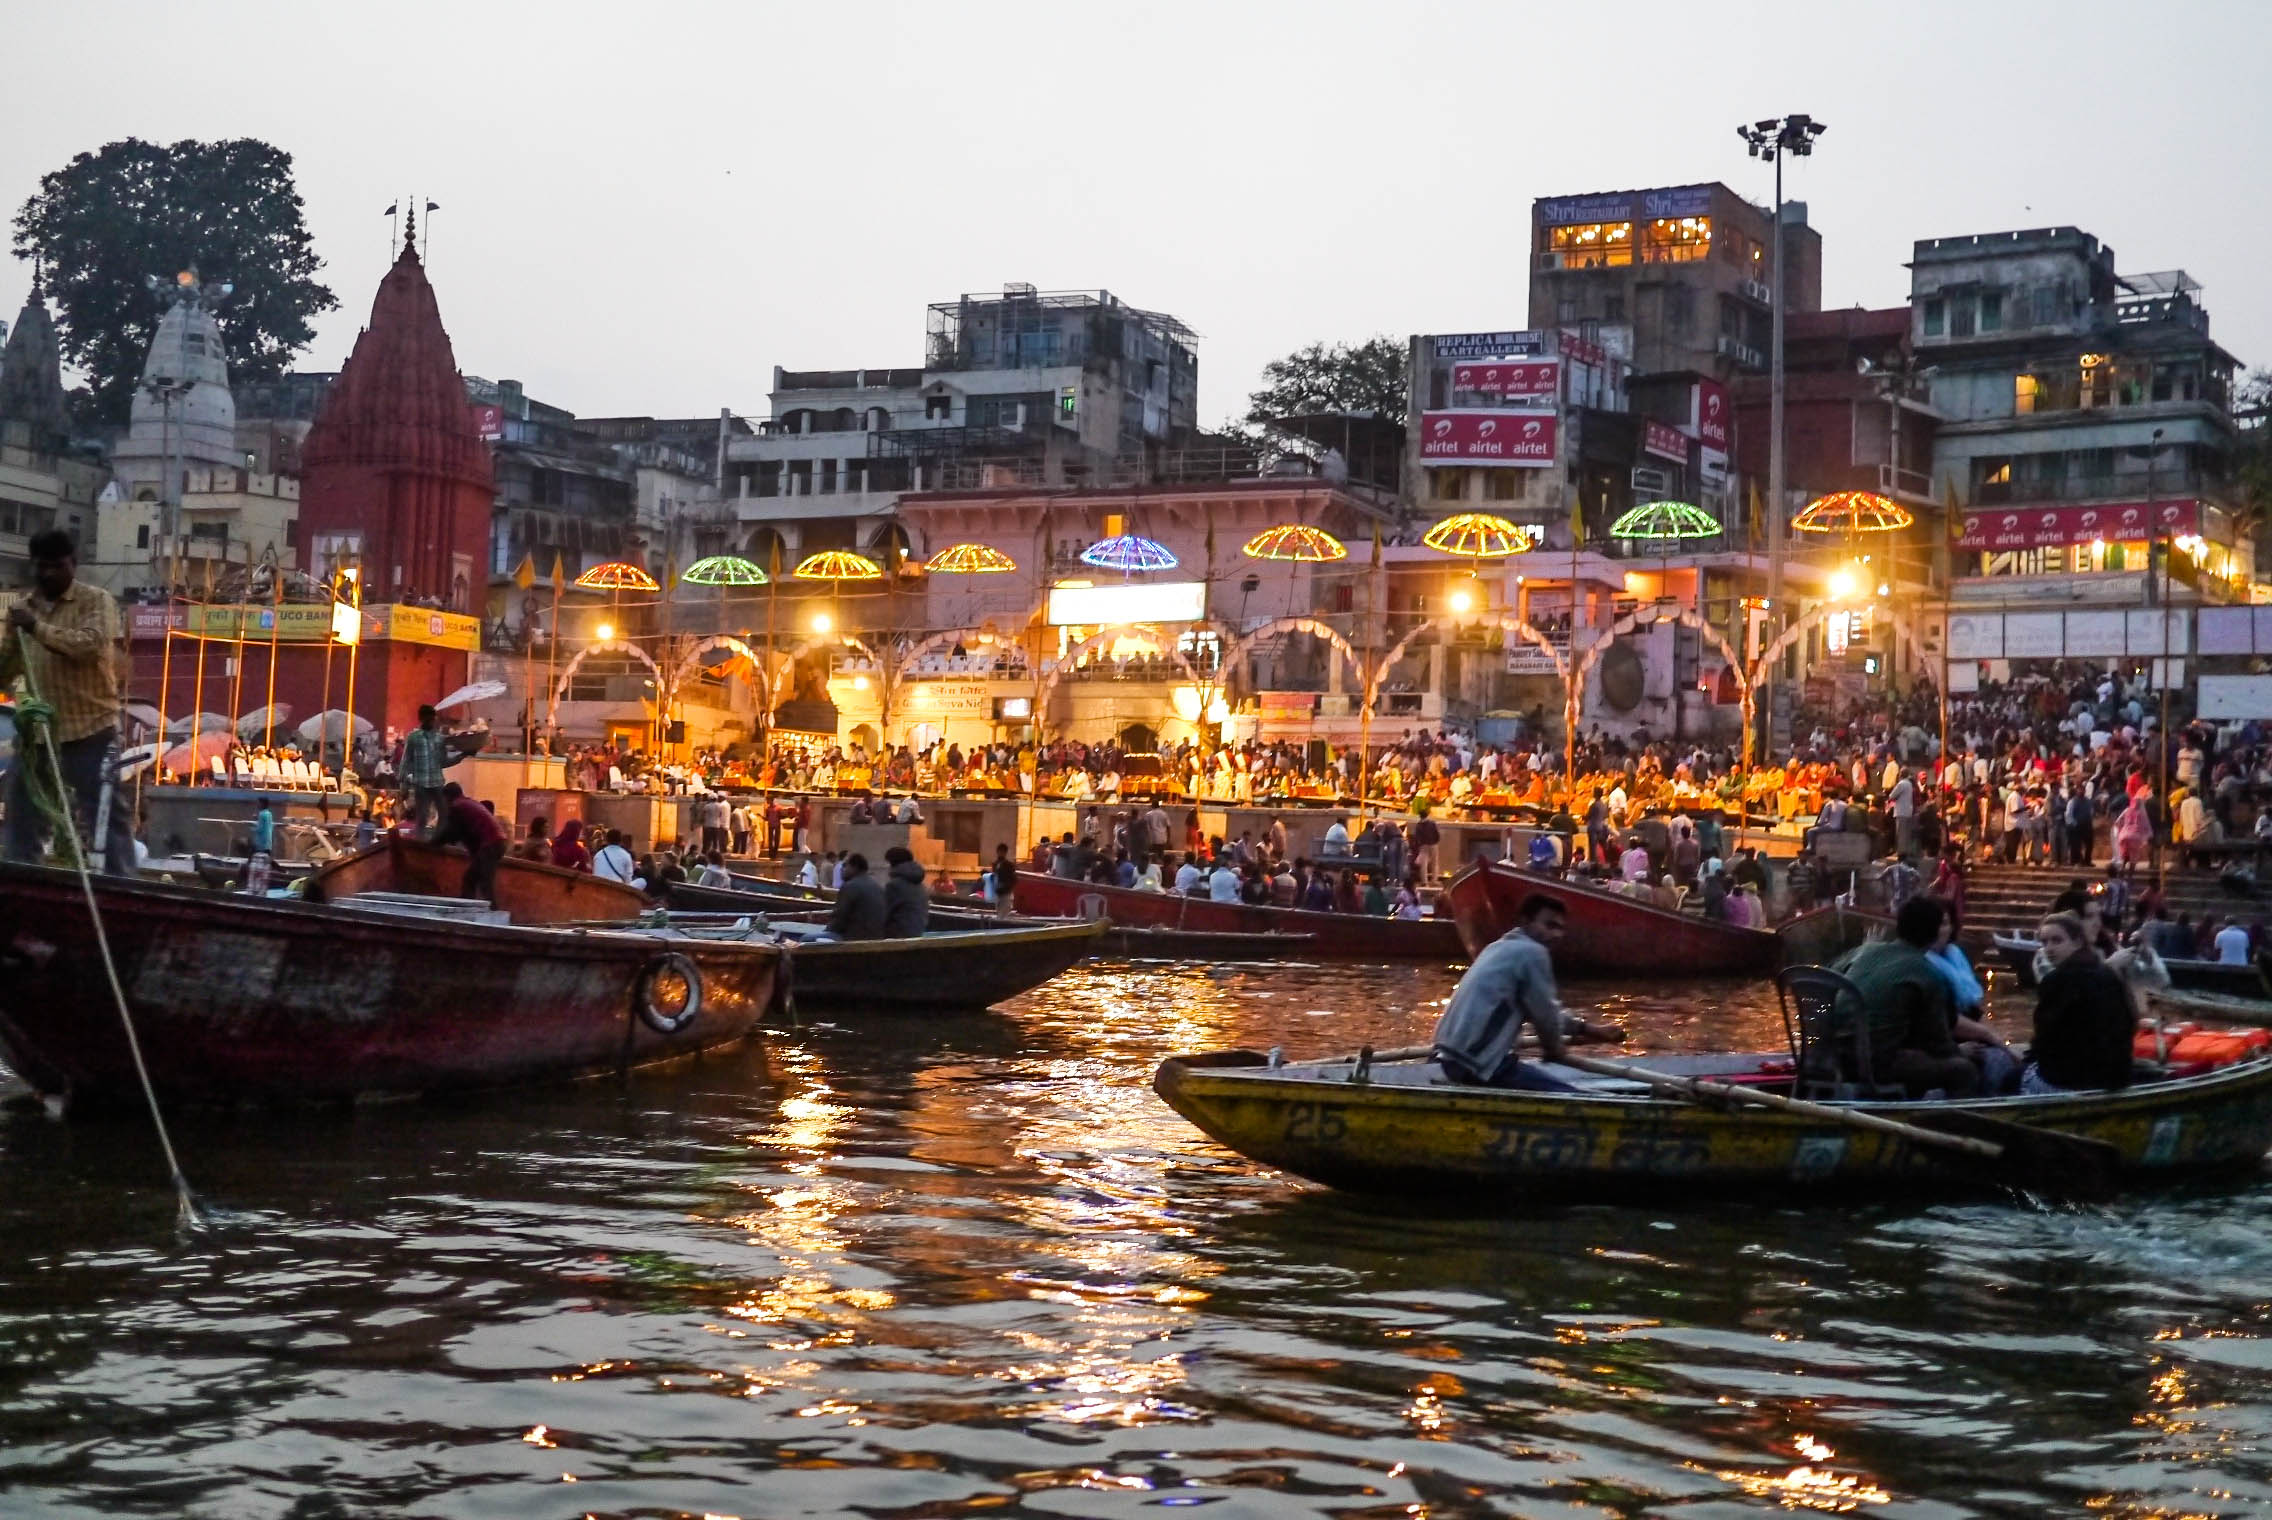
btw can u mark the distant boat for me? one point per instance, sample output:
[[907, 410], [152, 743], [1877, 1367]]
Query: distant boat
[[1327, 936], [276, 1000], [1607, 933], [530, 891]]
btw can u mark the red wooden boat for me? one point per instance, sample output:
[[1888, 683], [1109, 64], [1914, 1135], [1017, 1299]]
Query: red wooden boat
[[530, 892], [1608, 933], [255, 999], [1326, 936]]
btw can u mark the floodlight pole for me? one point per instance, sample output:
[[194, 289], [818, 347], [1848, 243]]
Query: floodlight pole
[[1771, 139]]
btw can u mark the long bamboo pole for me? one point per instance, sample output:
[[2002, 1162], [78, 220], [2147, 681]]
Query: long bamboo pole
[[197, 702], [275, 631]]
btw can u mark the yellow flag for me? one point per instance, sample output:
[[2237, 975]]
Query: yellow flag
[[524, 574], [1758, 518], [559, 574], [1577, 519], [1952, 509]]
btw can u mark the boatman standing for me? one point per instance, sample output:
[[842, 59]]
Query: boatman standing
[[1511, 984], [64, 637]]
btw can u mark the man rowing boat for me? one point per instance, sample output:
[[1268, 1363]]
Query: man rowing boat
[[1511, 984]]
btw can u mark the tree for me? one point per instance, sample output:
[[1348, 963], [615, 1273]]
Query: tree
[[1372, 376], [106, 222]]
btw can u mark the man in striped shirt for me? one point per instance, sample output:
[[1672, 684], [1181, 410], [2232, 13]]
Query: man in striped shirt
[[62, 640]]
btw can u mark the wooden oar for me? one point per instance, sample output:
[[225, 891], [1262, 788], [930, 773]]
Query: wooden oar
[[2038, 1158]]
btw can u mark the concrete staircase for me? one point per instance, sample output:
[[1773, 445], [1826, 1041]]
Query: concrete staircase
[[2002, 899]]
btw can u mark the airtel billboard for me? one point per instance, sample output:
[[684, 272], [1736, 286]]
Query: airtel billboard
[[1711, 403], [1489, 438], [1525, 380]]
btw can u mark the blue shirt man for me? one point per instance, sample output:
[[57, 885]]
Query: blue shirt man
[[264, 830], [1510, 984]]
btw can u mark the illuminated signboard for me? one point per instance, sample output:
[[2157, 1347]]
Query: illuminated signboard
[[1127, 602]]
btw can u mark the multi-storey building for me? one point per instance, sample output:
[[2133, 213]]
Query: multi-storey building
[[45, 482], [2086, 438], [1027, 387]]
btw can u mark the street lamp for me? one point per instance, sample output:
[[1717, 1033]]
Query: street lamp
[[822, 622], [1770, 139], [605, 631]]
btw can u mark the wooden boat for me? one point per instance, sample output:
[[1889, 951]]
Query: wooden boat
[[944, 969], [1334, 936], [1403, 1129], [531, 893], [2017, 951], [229, 870], [776, 899], [1201, 945], [1607, 933], [1821, 935], [256, 999]]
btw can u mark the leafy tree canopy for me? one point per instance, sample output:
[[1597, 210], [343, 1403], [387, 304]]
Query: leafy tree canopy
[[1372, 376], [102, 224]]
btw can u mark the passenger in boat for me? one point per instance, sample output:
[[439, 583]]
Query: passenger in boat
[[1633, 865], [467, 822], [1906, 1005], [1223, 881], [2084, 1022], [1190, 881], [613, 861], [423, 756], [907, 905], [568, 850], [538, 846], [1002, 879], [713, 872], [1510, 984], [859, 911]]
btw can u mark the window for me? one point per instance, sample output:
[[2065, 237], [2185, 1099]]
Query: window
[[1936, 318], [1994, 482], [938, 408], [1594, 245], [1680, 309], [1960, 317], [1991, 311], [1675, 240], [142, 536], [1451, 485], [1566, 311], [1613, 308], [1068, 404], [2027, 392], [2046, 305], [1506, 485]]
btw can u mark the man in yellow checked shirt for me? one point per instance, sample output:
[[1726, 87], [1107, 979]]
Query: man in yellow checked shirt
[[63, 639]]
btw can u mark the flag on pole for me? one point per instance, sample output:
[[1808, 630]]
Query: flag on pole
[[1758, 518], [524, 574], [1952, 509], [559, 574], [1577, 520]]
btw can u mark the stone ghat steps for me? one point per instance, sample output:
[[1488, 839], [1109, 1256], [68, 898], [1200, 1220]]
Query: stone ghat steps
[[2004, 899]]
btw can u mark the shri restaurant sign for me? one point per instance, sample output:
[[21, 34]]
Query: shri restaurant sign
[[1489, 438], [2055, 527]]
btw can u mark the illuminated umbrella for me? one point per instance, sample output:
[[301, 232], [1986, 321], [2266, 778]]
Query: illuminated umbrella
[[1129, 553], [969, 559], [263, 719], [330, 727], [1852, 512], [1295, 541], [838, 565], [617, 575], [1665, 520], [199, 723], [199, 752], [723, 570], [479, 691], [1477, 535]]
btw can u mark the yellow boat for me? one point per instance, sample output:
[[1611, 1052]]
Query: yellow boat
[[1398, 1126]]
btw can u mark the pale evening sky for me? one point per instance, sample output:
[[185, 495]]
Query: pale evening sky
[[646, 207]]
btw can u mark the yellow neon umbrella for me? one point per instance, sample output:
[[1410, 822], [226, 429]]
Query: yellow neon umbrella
[[1295, 541], [837, 565], [969, 559], [1477, 535]]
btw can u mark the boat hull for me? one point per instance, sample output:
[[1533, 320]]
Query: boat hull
[[1332, 936], [532, 893], [1606, 933], [778, 901], [1821, 935], [2218, 978], [1403, 1136], [239, 999], [963, 969]]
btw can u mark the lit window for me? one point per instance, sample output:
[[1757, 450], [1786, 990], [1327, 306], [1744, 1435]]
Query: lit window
[[1593, 245], [1677, 239], [2026, 393]]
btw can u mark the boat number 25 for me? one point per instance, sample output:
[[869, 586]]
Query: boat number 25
[[1317, 1121]]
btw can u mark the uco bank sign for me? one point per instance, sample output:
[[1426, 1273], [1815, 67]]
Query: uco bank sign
[[1488, 438]]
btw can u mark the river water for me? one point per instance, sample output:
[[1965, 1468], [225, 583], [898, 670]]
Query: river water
[[972, 1266]]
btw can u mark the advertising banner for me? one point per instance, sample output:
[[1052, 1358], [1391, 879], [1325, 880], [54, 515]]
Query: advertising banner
[[1710, 400], [1490, 345], [1510, 380], [1489, 438], [1625, 206], [422, 625], [1664, 442], [950, 699], [2055, 527]]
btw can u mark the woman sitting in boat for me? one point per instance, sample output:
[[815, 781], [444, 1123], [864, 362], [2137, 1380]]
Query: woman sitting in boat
[[1510, 984], [568, 850], [2084, 1022]]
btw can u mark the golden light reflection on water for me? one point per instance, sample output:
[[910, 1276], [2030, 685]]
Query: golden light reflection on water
[[1809, 1485]]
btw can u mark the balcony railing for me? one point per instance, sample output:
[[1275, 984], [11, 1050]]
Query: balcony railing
[[2122, 485]]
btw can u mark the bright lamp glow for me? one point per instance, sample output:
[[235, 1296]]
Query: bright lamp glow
[[605, 631], [1462, 601], [1130, 602], [1841, 584], [822, 622]]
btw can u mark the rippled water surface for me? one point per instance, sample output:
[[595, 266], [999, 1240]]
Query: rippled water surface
[[973, 1266]]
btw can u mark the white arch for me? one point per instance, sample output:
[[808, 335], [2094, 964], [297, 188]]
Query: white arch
[[1505, 622], [1815, 617], [946, 639], [605, 646], [1102, 638], [1238, 647]]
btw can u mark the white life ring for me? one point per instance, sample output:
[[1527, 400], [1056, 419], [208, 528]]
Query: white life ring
[[666, 1008]]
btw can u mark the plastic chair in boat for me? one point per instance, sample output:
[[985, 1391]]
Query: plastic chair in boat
[[1830, 1036]]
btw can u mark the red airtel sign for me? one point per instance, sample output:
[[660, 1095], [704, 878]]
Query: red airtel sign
[[1510, 379], [1507, 438], [2055, 527]]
